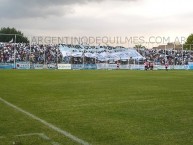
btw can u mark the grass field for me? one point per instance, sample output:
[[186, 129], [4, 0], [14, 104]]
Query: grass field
[[100, 107]]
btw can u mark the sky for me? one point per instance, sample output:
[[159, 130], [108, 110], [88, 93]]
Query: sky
[[135, 19]]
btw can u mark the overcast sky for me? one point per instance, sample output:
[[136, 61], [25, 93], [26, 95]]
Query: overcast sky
[[167, 18]]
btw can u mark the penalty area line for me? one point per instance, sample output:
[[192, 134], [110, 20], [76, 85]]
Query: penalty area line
[[63, 132]]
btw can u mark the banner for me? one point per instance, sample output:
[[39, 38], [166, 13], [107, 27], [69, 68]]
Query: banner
[[22, 65], [84, 66], [157, 67], [6, 66], [51, 66], [136, 67], [38, 66], [26, 65], [90, 66], [64, 66], [180, 67], [190, 65], [106, 66], [77, 66]]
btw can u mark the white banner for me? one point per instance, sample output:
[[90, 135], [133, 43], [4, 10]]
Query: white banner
[[106, 66], [64, 66], [22, 65], [136, 67], [157, 67]]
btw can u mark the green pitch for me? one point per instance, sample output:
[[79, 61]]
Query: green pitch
[[100, 107]]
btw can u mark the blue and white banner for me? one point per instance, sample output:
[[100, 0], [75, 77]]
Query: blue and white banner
[[6, 66], [102, 53], [180, 67], [51, 66], [77, 66], [26, 65], [190, 65], [22, 65], [84, 66], [90, 66], [38, 66]]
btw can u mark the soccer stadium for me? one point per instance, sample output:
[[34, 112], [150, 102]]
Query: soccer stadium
[[99, 95], [96, 72]]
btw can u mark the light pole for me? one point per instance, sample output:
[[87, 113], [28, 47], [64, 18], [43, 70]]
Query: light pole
[[57, 49], [14, 53]]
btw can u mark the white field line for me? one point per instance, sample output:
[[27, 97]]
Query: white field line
[[29, 134], [43, 136], [48, 139], [63, 132]]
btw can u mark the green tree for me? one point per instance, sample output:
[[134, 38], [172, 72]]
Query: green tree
[[139, 46], [189, 42], [20, 38]]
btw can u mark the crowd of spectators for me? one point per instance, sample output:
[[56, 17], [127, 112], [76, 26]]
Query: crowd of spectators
[[171, 56], [26, 53], [46, 54]]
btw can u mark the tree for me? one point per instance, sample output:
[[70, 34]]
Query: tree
[[189, 42], [20, 38], [139, 46]]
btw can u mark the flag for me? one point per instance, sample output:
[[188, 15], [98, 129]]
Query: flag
[[11, 41]]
